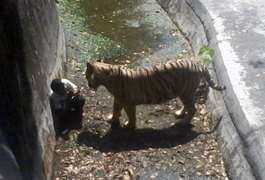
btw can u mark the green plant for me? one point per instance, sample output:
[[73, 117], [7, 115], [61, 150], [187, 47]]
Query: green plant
[[207, 54]]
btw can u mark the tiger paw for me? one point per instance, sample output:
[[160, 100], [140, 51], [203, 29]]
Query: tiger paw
[[114, 124], [128, 126], [180, 113], [183, 121]]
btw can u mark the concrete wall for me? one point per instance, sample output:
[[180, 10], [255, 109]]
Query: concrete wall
[[192, 18], [32, 52]]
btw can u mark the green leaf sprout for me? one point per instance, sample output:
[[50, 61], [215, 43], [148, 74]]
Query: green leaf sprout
[[207, 54]]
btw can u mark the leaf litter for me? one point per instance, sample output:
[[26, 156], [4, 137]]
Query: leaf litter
[[157, 149], [154, 150]]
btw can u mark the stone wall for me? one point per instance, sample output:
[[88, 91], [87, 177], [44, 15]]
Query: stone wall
[[192, 18], [32, 52]]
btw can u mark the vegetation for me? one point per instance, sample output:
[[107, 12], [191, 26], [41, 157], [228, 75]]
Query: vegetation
[[207, 54], [157, 149], [88, 45]]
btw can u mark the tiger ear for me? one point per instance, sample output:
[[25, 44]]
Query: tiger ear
[[89, 67], [101, 60]]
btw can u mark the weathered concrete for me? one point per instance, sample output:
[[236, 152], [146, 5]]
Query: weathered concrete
[[241, 39], [32, 51], [235, 30]]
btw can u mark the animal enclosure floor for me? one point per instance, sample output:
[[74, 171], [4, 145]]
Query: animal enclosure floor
[[157, 149]]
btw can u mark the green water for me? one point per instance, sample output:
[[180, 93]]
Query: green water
[[124, 22], [128, 32]]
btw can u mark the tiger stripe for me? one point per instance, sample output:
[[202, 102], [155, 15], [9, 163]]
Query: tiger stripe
[[188, 80]]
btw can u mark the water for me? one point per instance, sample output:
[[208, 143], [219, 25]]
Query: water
[[140, 27], [135, 33]]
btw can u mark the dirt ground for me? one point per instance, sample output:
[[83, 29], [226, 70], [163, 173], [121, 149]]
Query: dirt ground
[[157, 149]]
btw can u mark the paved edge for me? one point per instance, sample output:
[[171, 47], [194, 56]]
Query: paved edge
[[193, 19]]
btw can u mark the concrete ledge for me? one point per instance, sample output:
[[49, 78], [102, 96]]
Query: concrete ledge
[[241, 131]]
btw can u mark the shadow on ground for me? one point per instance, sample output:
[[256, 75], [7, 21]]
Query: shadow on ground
[[120, 140], [73, 121]]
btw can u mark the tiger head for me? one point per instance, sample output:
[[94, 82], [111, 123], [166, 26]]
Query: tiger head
[[97, 74]]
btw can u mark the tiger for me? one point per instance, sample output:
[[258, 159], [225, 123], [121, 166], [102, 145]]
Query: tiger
[[187, 79]]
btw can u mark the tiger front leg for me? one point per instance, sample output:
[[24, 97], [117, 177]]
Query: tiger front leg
[[131, 113], [115, 120]]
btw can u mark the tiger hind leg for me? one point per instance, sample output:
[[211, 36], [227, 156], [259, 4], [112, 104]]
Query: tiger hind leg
[[191, 112], [188, 111], [131, 113], [181, 112]]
